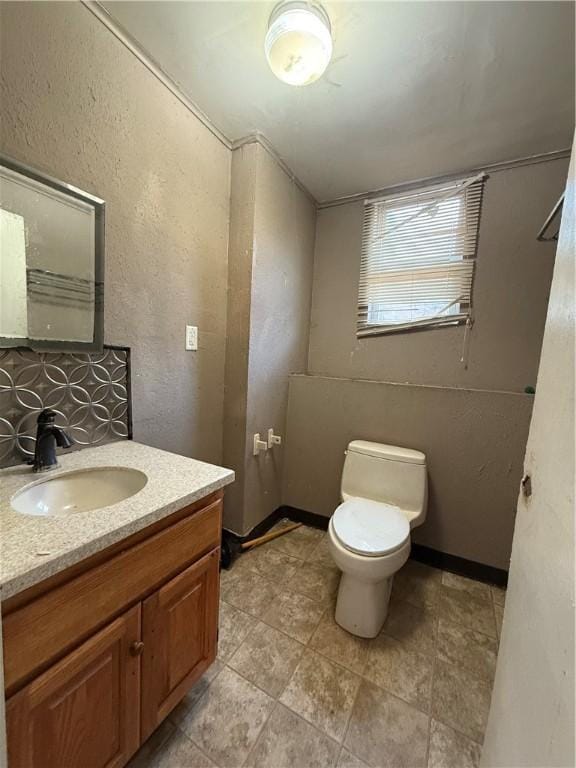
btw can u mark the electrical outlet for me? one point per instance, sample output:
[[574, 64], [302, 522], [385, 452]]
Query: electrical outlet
[[191, 338]]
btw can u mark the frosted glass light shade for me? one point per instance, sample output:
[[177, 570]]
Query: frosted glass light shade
[[298, 42]]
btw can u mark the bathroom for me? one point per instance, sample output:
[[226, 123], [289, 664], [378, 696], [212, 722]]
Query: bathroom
[[247, 366]]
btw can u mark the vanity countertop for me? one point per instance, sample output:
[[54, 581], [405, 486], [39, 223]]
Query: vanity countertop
[[32, 548]]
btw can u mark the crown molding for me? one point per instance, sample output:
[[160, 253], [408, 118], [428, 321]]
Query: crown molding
[[506, 165], [259, 138], [145, 58], [168, 82]]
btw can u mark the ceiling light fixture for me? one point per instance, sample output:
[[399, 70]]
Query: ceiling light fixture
[[298, 42]]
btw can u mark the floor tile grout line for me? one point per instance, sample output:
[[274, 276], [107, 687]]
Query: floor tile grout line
[[393, 696], [467, 628], [497, 626], [265, 723], [473, 629], [307, 646], [159, 747], [435, 657], [349, 719], [297, 562], [308, 723], [280, 588], [425, 608], [414, 705], [275, 697], [249, 634], [483, 680], [439, 719], [437, 619], [409, 650], [251, 682], [177, 725], [312, 725], [195, 745], [280, 704], [335, 662], [458, 731], [297, 557], [433, 676], [261, 620]]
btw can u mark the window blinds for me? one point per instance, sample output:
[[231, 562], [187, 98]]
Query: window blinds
[[418, 257]]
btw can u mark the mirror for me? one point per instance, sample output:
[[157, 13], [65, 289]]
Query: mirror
[[51, 262]]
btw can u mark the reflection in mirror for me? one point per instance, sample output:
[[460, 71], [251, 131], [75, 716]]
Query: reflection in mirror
[[51, 262]]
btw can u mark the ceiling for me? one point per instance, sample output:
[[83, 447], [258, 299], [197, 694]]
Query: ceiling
[[414, 89]]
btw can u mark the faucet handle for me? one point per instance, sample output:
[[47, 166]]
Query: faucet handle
[[46, 416]]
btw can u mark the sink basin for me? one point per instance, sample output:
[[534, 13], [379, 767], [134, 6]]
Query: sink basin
[[80, 491]]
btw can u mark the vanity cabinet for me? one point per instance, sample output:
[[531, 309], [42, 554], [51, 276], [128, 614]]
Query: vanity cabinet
[[83, 711], [95, 658], [180, 624]]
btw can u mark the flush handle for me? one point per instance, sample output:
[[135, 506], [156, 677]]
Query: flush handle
[[527, 486]]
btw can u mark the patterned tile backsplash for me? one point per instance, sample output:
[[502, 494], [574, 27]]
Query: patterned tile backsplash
[[90, 392]]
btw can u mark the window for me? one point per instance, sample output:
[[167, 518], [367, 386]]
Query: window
[[418, 257]]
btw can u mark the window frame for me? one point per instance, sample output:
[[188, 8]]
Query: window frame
[[436, 190]]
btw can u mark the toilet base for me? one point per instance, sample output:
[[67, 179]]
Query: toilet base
[[362, 606]]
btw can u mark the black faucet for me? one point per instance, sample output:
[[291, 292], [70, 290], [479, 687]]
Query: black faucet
[[48, 436]]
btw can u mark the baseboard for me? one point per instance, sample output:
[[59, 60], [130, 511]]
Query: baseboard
[[265, 525], [301, 516], [433, 557], [459, 565], [260, 529], [442, 560]]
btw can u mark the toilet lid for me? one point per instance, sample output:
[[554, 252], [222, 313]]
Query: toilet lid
[[369, 527]]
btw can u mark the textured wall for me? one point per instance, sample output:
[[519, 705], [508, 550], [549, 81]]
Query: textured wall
[[532, 717], [474, 442], [78, 105], [284, 228], [271, 261], [510, 295], [475, 439], [240, 255]]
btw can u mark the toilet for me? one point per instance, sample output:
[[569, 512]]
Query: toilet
[[384, 493]]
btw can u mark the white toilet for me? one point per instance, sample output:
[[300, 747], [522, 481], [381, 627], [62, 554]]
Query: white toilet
[[384, 494]]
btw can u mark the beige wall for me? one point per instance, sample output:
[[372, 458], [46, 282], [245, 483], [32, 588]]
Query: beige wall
[[97, 118], [271, 246], [532, 716], [240, 255], [471, 422], [78, 105], [510, 295], [474, 442]]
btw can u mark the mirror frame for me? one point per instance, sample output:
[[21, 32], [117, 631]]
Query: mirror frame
[[97, 344]]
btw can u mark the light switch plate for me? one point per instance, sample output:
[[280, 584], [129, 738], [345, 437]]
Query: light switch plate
[[191, 338]]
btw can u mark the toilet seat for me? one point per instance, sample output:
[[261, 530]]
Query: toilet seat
[[370, 528]]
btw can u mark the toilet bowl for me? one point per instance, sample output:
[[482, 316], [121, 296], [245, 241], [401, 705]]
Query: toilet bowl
[[384, 493]]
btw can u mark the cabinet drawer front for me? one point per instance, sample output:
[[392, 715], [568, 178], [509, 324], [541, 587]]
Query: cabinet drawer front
[[85, 709], [38, 633], [179, 631]]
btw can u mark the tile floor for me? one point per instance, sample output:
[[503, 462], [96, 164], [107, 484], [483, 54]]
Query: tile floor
[[291, 688]]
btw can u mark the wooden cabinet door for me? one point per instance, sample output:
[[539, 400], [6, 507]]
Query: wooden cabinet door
[[84, 711], [179, 631]]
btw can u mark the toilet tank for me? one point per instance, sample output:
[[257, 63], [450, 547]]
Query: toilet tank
[[387, 473]]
